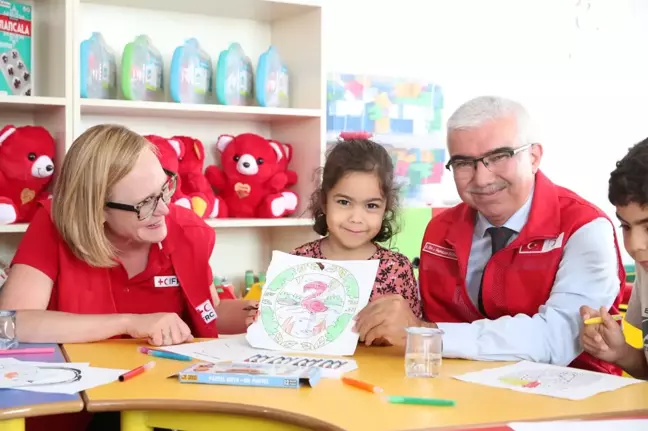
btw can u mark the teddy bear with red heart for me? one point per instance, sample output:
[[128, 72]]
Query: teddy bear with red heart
[[26, 169], [252, 181]]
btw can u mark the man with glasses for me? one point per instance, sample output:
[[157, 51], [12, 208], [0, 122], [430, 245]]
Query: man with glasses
[[504, 273]]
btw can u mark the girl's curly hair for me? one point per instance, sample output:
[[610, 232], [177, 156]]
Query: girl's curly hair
[[357, 155]]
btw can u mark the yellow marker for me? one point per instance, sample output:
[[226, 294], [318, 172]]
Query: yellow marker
[[598, 320], [254, 292]]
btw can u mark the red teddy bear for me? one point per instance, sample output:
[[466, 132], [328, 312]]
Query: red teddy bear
[[26, 168], [194, 181], [290, 175], [252, 181], [169, 154]]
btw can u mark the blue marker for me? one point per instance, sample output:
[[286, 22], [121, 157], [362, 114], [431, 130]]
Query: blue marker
[[163, 354]]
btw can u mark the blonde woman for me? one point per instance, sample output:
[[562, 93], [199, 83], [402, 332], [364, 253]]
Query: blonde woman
[[109, 256]]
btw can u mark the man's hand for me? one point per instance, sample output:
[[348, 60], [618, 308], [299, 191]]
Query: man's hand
[[384, 320]]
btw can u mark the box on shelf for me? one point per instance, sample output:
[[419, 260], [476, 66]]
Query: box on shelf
[[15, 49], [246, 374]]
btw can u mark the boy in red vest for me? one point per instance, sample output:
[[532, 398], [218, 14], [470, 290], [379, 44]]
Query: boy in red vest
[[504, 273], [628, 192]]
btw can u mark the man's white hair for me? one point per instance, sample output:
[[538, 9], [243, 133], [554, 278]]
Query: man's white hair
[[483, 109]]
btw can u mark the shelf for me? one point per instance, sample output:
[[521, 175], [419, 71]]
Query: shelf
[[30, 103], [255, 222], [215, 223], [12, 228], [186, 111], [257, 10]]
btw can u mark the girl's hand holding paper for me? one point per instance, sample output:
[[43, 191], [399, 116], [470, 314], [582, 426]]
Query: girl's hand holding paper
[[605, 340]]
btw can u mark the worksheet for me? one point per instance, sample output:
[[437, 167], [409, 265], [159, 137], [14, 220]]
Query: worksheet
[[550, 380], [237, 349], [308, 305], [52, 377]]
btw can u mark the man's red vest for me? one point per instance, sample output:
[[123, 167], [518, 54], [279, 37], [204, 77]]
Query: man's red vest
[[79, 291], [556, 213]]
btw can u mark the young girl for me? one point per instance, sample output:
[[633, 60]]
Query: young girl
[[354, 209]]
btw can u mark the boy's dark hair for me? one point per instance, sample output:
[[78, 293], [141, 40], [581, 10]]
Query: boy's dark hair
[[629, 181], [357, 155]]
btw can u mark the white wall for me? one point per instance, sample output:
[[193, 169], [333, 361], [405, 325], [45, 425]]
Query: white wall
[[587, 88]]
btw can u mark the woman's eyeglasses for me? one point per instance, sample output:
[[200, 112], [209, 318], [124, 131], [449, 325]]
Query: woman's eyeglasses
[[147, 207]]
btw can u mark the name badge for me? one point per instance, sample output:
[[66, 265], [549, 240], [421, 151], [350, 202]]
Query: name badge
[[437, 250], [166, 281], [206, 311], [543, 246]]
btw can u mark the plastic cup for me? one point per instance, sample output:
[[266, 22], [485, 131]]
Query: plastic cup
[[424, 352], [8, 338]]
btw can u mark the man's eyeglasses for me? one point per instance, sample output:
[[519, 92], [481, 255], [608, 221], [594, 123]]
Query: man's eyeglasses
[[494, 161], [146, 208]]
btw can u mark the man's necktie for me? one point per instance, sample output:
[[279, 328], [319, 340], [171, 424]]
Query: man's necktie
[[499, 237]]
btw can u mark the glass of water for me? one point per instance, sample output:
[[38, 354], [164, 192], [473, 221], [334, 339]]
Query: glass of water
[[423, 352], [8, 338]]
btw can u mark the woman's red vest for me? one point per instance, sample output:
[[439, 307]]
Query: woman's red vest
[[556, 213]]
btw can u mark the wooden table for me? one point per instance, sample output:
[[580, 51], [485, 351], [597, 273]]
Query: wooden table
[[153, 399], [16, 405]]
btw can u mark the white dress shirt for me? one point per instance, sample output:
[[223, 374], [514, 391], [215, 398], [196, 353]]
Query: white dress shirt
[[587, 275]]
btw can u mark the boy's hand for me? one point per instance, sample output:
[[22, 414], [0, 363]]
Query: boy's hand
[[605, 340]]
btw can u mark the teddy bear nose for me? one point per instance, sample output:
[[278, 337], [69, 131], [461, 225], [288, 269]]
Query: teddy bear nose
[[49, 168], [246, 164]]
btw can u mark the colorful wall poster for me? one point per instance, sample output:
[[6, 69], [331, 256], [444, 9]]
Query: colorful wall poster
[[405, 115]]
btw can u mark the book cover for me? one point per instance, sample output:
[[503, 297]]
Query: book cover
[[247, 374]]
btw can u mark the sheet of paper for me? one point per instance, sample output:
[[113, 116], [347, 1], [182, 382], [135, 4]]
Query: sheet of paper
[[307, 305], [218, 350], [237, 349], [51, 377], [583, 425], [550, 380]]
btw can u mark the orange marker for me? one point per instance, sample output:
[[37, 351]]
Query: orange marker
[[362, 385], [136, 371]]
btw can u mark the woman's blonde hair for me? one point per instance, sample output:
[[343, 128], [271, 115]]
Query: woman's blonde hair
[[96, 161]]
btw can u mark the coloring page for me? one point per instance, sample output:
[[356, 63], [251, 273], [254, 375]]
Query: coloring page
[[16, 374], [550, 380], [53, 377], [307, 305]]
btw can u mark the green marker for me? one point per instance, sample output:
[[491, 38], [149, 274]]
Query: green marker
[[420, 401]]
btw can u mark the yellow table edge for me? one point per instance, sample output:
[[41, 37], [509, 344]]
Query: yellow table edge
[[633, 414], [28, 411], [251, 411]]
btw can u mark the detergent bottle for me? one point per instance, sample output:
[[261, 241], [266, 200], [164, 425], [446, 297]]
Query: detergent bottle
[[272, 80], [142, 71], [190, 76], [98, 73], [234, 77]]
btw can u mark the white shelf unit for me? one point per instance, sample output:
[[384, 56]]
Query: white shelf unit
[[293, 26]]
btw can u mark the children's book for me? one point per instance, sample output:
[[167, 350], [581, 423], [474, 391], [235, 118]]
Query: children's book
[[247, 374]]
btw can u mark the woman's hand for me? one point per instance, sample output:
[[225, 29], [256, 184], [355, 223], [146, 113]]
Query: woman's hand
[[161, 329]]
